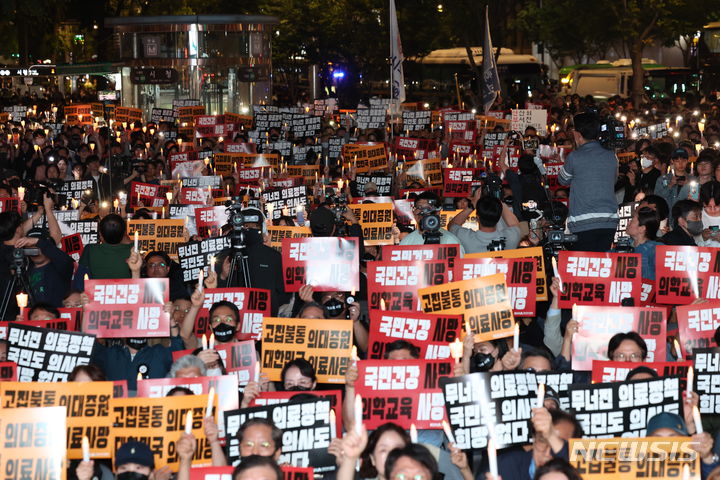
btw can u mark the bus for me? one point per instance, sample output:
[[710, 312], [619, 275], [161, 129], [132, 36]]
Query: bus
[[709, 57]]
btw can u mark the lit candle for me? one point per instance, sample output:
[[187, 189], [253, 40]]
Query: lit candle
[[21, 193], [358, 413], [690, 381], [116, 204], [204, 342], [256, 377], [516, 337], [333, 424], [354, 355], [448, 432], [492, 458], [413, 433], [211, 343], [86, 449], [22, 300], [697, 420], [468, 328], [200, 280], [169, 196], [188, 422], [382, 304], [139, 376], [456, 350], [136, 241], [211, 398], [686, 472], [212, 263], [678, 351], [557, 274], [540, 395]]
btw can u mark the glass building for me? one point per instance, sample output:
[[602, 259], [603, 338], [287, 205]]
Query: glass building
[[224, 61]]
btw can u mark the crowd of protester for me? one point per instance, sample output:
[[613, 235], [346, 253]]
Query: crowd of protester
[[675, 180]]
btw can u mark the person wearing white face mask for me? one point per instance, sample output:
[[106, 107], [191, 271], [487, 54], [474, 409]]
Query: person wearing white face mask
[[710, 199], [646, 179]]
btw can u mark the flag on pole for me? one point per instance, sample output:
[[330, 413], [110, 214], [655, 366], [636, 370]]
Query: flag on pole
[[491, 80], [397, 78]]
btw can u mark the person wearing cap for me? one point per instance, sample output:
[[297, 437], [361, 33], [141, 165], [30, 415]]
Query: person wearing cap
[[677, 184], [133, 461], [370, 190], [416, 237], [667, 424]]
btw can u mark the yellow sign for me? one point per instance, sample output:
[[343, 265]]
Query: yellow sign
[[376, 220], [278, 233], [532, 252]]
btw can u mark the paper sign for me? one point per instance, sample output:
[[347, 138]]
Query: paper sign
[[432, 334], [683, 274], [253, 303], [697, 325], [397, 283], [532, 252], [273, 398], [327, 263], [608, 371], [162, 234], [376, 220]]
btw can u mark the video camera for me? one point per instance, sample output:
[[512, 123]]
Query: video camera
[[612, 132], [36, 192], [491, 185], [558, 240], [339, 206], [430, 224], [237, 220]]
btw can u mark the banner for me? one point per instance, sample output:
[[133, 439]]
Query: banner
[[159, 422], [307, 432], [623, 408], [47, 355], [461, 182], [327, 263], [481, 401], [394, 286], [683, 274], [326, 345], [432, 334], [376, 220], [520, 274], [33, 443], [162, 234], [253, 303], [605, 371], [195, 256], [485, 302], [697, 325], [597, 325], [365, 158], [402, 391], [285, 201], [127, 308], [599, 278], [532, 252], [630, 458], [86, 406], [707, 373]]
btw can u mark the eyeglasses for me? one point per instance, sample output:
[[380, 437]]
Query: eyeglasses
[[402, 476], [225, 319], [263, 444], [621, 357], [156, 265], [184, 310]]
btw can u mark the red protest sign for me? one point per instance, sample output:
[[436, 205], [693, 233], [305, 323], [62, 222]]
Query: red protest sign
[[421, 253], [402, 391], [250, 175], [397, 283], [73, 245], [597, 325], [10, 204], [122, 308], [328, 263], [273, 398], [520, 274], [591, 278], [697, 325], [148, 194], [414, 148], [120, 389], [253, 303], [604, 371], [72, 315], [210, 220], [432, 334], [461, 130], [8, 372], [239, 359], [298, 473], [647, 294], [196, 195], [460, 182], [211, 473], [683, 274]]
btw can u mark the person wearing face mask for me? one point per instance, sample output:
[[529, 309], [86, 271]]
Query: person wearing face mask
[[298, 376], [687, 218], [223, 317], [710, 200], [133, 461], [645, 180]]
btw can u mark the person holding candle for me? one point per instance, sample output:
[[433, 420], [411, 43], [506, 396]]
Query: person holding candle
[[666, 424], [108, 258], [133, 461]]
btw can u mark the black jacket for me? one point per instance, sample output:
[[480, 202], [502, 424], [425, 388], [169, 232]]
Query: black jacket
[[678, 236]]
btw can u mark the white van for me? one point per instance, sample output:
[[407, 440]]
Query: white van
[[601, 83]]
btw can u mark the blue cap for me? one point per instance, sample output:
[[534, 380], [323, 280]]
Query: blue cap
[[680, 153], [135, 452], [669, 420]]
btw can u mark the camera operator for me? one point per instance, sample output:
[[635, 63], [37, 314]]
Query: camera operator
[[527, 185], [497, 224], [331, 219], [426, 204], [591, 171]]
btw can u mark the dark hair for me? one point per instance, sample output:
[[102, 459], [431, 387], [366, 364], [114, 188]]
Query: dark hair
[[276, 432], [683, 208], [535, 352], [305, 367], [175, 390], [367, 469], [618, 338], [112, 228], [92, 158], [661, 205], [95, 373], [559, 465], [430, 196], [588, 125], [9, 223], [401, 345], [159, 253], [639, 370], [489, 211], [417, 452], [44, 306], [563, 416], [253, 461], [710, 191], [225, 303], [309, 305], [526, 165], [648, 218]]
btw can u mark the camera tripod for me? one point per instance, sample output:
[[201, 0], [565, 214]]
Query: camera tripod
[[239, 268], [18, 270]]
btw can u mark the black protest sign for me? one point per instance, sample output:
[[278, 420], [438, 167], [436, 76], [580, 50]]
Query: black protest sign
[[285, 201], [335, 147], [382, 182], [623, 408], [77, 188], [266, 121], [305, 125], [44, 355], [88, 230], [419, 120], [307, 432], [213, 181], [707, 373], [625, 213], [163, 115], [482, 401], [373, 117], [195, 256], [282, 146]]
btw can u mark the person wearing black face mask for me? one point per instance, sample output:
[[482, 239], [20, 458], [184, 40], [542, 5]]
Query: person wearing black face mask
[[224, 317], [133, 461], [298, 376]]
